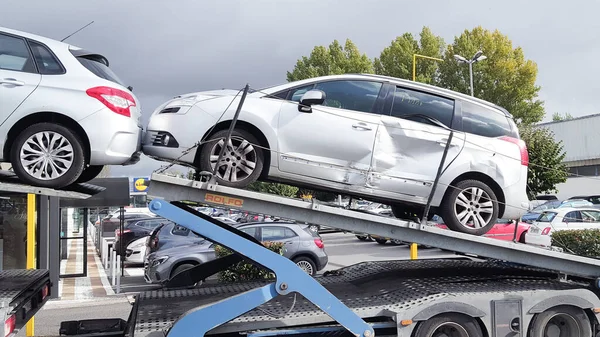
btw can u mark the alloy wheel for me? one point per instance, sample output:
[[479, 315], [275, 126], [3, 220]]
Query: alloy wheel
[[47, 155], [238, 161], [473, 208], [306, 266]]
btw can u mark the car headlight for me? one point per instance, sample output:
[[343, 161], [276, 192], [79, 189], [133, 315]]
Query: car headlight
[[138, 245], [159, 260]]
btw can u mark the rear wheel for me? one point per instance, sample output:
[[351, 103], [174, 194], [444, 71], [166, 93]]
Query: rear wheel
[[449, 325], [470, 207], [306, 264], [47, 155], [561, 321], [242, 162]]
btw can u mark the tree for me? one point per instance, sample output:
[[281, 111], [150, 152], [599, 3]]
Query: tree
[[332, 60], [557, 117], [505, 78], [396, 59], [546, 167], [274, 188]]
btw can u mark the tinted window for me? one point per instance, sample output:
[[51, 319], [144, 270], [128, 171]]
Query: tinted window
[[573, 216], [180, 230], [100, 69], [273, 233], [251, 231], [350, 95], [546, 217], [408, 104], [46, 62], [296, 94], [590, 216], [485, 122], [14, 54]]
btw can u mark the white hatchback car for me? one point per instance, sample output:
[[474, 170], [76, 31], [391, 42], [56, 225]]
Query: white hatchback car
[[64, 113], [375, 137], [560, 219]]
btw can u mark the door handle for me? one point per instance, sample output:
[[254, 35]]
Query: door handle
[[361, 126], [12, 81]]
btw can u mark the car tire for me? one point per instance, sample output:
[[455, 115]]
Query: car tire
[[183, 267], [70, 169], [452, 206], [233, 159], [381, 241], [306, 264], [90, 173], [411, 213]]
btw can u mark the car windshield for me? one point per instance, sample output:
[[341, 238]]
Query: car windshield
[[546, 217]]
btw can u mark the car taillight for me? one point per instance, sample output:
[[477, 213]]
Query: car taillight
[[546, 231], [45, 292], [319, 243], [522, 148], [116, 100], [9, 325], [118, 232]]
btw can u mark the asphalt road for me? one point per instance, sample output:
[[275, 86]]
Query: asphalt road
[[343, 250]]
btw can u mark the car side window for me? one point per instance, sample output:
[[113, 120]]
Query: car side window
[[350, 95], [250, 231], [180, 230], [46, 62], [410, 104], [573, 216], [14, 54], [485, 122], [590, 216], [290, 233], [273, 233]]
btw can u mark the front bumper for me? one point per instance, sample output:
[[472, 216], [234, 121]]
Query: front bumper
[[538, 240], [163, 145]]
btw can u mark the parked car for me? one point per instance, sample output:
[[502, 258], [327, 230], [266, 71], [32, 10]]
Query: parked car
[[134, 229], [565, 218], [530, 216], [303, 246], [64, 113], [359, 144], [169, 235], [136, 251]]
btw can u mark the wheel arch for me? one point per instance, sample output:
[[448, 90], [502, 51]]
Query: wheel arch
[[559, 300], [484, 178], [50, 117], [308, 255], [448, 307], [260, 136], [182, 262]]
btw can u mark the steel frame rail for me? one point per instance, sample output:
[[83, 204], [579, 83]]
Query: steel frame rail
[[289, 279], [179, 189]]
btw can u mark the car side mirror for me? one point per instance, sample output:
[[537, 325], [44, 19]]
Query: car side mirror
[[310, 98]]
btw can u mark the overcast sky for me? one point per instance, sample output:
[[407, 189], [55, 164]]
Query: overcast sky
[[165, 48]]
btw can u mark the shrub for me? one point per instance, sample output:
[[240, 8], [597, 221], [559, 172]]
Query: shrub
[[582, 242], [246, 270]]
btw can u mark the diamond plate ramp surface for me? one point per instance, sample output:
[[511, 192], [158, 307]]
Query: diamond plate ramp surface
[[14, 282], [370, 289]]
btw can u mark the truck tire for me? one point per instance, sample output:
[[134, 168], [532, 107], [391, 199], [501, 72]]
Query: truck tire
[[451, 324], [246, 159], [563, 320], [469, 197]]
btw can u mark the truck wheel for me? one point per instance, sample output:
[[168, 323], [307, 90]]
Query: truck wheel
[[470, 207], [242, 162], [561, 321], [454, 325], [47, 155]]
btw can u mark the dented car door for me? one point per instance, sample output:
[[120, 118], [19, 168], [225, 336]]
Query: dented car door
[[411, 141]]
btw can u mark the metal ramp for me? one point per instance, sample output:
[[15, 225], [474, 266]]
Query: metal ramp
[[172, 188]]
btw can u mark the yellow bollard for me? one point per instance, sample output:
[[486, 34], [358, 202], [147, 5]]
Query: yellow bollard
[[31, 240], [413, 251]]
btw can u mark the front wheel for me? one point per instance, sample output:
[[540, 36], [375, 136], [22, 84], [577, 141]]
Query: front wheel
[[242, 161], [47, 155], [470, 207]]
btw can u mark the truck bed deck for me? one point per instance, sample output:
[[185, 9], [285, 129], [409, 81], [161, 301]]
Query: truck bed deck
[[373, 290]]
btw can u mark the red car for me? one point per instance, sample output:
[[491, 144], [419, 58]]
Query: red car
[[504, 230]]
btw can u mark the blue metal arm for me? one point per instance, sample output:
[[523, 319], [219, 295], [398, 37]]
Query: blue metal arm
[[290, 279]]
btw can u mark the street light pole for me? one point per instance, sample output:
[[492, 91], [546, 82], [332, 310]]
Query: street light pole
[[476, 58]]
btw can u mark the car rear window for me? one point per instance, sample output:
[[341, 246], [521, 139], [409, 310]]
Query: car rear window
[[546, 217], [313, 233], [99, 69]]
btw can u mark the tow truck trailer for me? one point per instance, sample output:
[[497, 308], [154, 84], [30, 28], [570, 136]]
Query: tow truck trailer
[[505, 289]]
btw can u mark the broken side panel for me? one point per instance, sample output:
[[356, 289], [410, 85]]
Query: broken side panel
[[407, 154]]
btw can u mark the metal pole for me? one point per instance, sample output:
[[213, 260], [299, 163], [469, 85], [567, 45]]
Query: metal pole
[[85, 246], [471, 76], [230, 131], [121, 230], [414, 67]]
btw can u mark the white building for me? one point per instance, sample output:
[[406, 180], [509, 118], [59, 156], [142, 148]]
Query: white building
[[581, 142]]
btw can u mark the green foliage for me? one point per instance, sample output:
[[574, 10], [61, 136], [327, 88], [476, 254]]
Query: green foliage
[[546, 167], [557, 117], [396, 60], [245, 270], [582, 242], [505, 78], [274, 188], [333, 60]]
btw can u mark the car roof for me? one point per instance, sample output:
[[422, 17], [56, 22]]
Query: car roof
[[45, 40], [570, 209]]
